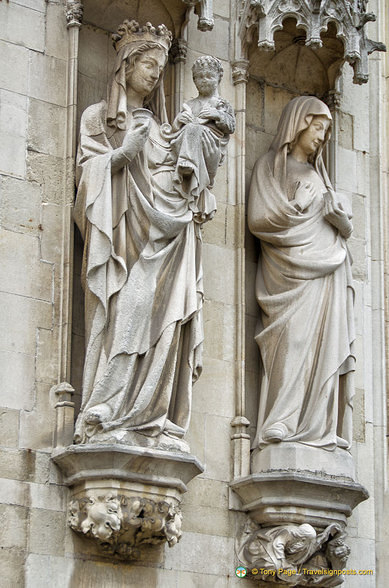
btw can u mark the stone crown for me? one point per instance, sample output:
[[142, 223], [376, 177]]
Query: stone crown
[[130, 32]]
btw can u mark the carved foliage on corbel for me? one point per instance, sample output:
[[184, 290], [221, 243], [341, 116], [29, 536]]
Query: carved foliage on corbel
[[178, 50], [123, 524], [333, 99], [297, 555], [74, 13], [314, 16]]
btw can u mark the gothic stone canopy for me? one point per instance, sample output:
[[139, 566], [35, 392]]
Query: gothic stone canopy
[[102, 13], [266, 17]]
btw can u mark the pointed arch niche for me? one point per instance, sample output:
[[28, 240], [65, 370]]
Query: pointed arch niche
[[292, 48]]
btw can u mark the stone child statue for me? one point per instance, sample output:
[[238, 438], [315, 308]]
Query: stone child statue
[[206, 117], [142, 266], [303, 286]]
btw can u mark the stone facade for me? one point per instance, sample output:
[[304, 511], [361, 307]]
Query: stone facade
[[52, 68]]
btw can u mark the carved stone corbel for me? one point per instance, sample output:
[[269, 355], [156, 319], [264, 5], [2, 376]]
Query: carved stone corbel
[[292, 554], [122, 524], [240, 71], [125, 498], [74, 13], [179, 50], [204, 10]]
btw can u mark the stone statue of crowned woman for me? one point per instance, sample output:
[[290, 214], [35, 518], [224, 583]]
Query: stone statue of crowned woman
[[142, 266]]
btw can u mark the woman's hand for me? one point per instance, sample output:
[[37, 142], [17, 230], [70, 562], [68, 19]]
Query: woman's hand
[[135, 138], [133, 142], [304, 196], [336, 215]]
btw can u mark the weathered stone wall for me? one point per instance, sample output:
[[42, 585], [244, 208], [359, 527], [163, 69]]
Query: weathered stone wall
[[33, 57], [383, 517]]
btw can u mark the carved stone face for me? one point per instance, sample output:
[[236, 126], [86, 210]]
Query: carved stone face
[[143, 75], [310, 140], [206, 81], [102, 519]]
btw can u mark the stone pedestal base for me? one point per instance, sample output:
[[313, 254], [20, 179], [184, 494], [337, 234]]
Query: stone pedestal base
[[294, 483], [297, 457], [297, 500], [291, 497], [126, 497]]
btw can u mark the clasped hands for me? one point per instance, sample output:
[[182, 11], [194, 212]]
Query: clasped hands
[[333, 210]]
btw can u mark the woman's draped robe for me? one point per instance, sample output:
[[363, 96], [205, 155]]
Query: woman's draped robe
[[304, 289], [143, 287]]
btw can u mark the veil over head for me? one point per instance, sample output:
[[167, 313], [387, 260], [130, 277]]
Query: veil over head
[[117, 102], [296, 118]]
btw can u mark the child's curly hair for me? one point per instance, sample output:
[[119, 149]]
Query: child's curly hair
[[207, 62]]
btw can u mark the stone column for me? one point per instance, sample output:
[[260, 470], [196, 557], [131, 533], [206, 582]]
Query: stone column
[[74, 13], [333, 102], [178, 54], [240, 437], [65, 414]]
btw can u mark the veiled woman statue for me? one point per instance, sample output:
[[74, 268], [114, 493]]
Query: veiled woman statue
[[303, 286], [142, 268]]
